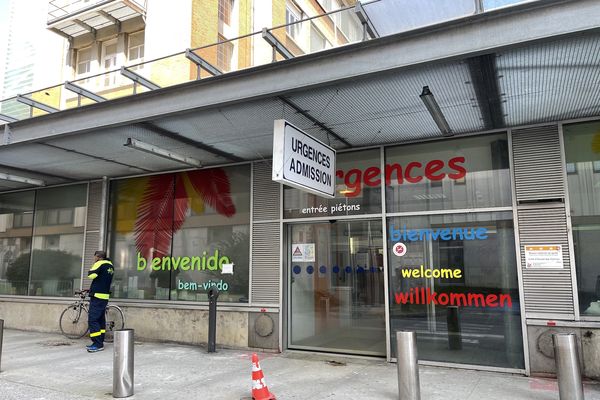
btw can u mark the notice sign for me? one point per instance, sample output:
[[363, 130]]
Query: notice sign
[[303, 252], [544, 256], [301, 161]]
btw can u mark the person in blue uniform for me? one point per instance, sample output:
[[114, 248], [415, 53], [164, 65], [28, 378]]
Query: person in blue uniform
[[101, 274]]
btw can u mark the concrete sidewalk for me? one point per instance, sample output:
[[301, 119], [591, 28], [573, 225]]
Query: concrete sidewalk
[[50, 367]]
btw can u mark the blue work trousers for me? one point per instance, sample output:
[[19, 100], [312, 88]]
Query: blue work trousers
[[97, 320]]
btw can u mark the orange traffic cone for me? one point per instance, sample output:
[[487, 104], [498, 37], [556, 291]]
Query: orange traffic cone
[[260, 391]]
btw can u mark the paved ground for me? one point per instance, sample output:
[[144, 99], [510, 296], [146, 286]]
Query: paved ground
[[49, 367]]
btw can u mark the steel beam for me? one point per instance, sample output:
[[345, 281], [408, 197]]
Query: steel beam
[[201, 63], [85, 26], [276, 44], [83, 92], [6, 118], [138, 79], [36, 104], [110, 18], [368, 26], [541, 21]]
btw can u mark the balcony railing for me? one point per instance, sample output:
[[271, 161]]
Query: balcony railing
[[322, 32], [61, 9]]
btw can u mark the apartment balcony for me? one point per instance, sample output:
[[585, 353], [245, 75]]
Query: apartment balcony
[[72, 18]]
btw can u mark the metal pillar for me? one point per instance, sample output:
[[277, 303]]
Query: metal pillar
[[567, 366], [454, 335], [213, 295], [123, 363], [408, 369], [1, 338]]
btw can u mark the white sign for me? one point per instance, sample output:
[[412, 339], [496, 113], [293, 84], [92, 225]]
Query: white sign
[[301, 161], [227, 269], [303, 252], [544, 256], [399, 249]]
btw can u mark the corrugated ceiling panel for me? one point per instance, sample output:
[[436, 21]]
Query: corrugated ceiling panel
[[551, 81]]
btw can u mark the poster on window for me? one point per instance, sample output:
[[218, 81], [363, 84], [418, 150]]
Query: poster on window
[[303, 252], [544, 256]]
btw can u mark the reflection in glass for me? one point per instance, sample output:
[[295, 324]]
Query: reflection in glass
[[357, 190], [456, 286], [582, 151], [172, 233], [336, 287], [450, 174], [58, 240], [16, 227]]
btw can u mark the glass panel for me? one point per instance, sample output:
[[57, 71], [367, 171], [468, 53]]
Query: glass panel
[[335, 274], [172, 235], [16, 229], [358, 190], [461, 173], [582, 150], [58, 241], [453, 280], [213, 236]]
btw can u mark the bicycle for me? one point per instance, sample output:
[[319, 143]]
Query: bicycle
[[73, 320]]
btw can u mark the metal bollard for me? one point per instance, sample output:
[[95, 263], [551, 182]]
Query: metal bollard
[[213, 295], [1, 338], [567, 366], [454, 335], [408, 369], [123, 363]]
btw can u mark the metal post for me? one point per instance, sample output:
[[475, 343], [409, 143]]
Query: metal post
[[1, 338], [213, 295], [408, 369], [454, 335], [123, 363], [567, 366]]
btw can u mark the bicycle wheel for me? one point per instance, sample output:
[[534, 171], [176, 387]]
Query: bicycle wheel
[[73, 321], [114, 322]]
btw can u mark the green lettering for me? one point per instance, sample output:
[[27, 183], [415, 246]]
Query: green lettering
[[155, 263], [175, 262], [166, 260], [141, 262], [195, 263], [184, 263], [223, 260]]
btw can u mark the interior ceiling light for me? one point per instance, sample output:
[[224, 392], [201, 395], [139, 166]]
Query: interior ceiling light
[[21, 179], [435, 111], [157, 151]]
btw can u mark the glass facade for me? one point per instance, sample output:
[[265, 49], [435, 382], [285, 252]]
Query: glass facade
[[456, 286], [41, 236], [336, 287], [174, 236], [452, 274], [582, 155]]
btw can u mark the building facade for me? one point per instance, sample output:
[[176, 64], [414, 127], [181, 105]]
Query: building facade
[[481, 239]]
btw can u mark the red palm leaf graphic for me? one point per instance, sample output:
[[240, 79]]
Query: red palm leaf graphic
[[155, 220], [213, 186]]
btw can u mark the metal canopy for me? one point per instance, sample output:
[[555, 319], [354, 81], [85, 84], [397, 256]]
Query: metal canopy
[[538, 81], [100, 14]]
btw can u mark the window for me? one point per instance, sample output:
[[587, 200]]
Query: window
[[135, 50], [224, 54], [456, 286], [84, 59], [292, 16], [571, 168], [225, 10], [109, 61], [450, 174], [357, 190], [57, 242], [582, 148], [177, 245]]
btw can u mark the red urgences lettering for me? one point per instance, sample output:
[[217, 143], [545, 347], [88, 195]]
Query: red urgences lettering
[[413, 172]]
